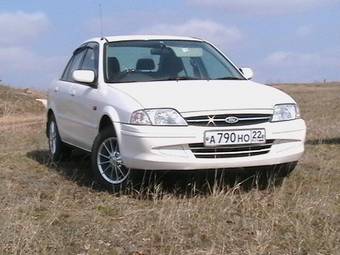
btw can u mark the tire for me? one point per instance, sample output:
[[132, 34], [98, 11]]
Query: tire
[[57, 149], [274, 175], [284, 170], [106, 163]]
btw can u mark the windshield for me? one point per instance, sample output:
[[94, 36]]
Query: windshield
[[158, 60]]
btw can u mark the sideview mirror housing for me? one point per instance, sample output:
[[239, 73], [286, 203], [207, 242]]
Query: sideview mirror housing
[[84, 76], [247, 73]]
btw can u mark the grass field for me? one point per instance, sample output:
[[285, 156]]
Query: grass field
[[53, 209]]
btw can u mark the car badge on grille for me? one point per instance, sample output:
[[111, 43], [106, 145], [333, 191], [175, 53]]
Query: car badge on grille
[[211, 120], [231, 120]]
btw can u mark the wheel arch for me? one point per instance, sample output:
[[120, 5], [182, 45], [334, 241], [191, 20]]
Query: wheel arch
[[49, 114], [110, 118], [105, 122]]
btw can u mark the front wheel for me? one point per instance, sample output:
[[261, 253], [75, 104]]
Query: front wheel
[[274, 175], [107, 165]]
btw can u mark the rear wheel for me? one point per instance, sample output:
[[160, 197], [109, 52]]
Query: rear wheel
[[107, 165], [274, 175], [57, 149]]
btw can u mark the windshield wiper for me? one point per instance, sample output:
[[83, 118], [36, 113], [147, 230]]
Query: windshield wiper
[[229, 78], [179, 78], [122, 81]]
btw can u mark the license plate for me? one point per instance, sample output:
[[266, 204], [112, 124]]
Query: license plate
[[234, 137]]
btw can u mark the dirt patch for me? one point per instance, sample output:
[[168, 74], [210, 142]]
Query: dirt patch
[[20, 121]]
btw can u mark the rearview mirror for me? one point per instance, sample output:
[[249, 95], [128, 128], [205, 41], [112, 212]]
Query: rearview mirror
[[160, 51], [83, 76], [247, 73]]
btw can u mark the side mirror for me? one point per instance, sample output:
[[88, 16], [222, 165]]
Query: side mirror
[[83, 76], [247, 73]]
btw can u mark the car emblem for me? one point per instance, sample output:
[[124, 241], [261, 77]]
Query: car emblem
[[211, 120], [231, 120]]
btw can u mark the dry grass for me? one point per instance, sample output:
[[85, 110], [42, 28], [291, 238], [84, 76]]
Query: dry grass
[[19, 101], [49, 209]]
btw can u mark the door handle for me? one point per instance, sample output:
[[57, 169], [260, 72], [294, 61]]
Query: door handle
[[56, 89], [73, 92]]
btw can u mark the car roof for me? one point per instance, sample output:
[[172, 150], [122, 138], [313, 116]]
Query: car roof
[[142, 37]]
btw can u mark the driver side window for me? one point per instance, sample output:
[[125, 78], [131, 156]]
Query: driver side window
[[74, 64], [90, 61]]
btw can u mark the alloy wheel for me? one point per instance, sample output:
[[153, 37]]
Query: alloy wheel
[[109, 162], [52, 137]]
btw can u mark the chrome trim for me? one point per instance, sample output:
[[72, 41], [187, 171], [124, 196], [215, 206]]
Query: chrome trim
[[233, 146], [229, 153], [221, 119]]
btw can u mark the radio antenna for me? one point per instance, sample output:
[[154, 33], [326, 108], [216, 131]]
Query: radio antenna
[[101, 19]]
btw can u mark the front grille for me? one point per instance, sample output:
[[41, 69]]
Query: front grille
[[230, 151], [220, 120]]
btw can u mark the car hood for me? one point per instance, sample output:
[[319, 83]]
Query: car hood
[[191, 96]]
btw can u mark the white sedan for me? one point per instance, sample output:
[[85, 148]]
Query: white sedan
[[166, 102]]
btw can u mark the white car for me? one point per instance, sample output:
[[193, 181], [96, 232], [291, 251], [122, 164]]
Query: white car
[[168, 103]]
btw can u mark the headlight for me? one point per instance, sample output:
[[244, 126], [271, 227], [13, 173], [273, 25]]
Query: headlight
[[284, 112], [140, 118], [157, 117]]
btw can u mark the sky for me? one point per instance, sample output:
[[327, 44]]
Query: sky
[[282, 40]]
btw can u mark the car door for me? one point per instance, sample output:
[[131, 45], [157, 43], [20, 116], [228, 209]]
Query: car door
[[84, 102], [64, 90]]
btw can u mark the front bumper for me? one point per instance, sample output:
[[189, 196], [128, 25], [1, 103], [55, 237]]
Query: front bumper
[[167, 148]]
